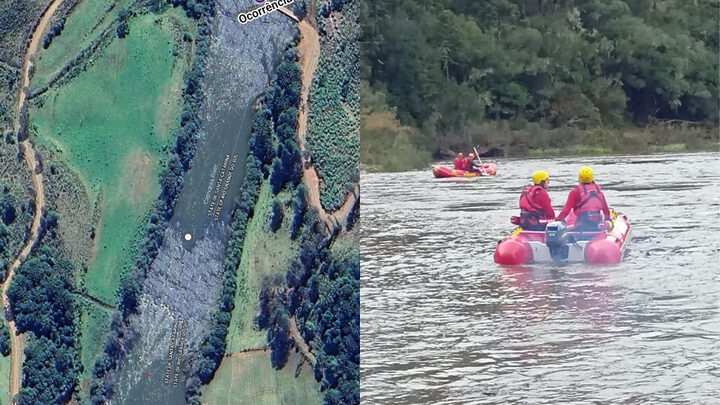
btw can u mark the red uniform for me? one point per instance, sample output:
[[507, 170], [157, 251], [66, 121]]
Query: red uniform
[[587, 202], [534, 205], [459, 163], [467, 164]]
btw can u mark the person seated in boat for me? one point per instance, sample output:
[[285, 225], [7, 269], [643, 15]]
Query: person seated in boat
[[588, 203], [459, 162], [535, 203], [470, 163]]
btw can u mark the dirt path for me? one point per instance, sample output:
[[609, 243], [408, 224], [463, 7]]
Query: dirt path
[[17, 341], [304, 348], [309, 50]]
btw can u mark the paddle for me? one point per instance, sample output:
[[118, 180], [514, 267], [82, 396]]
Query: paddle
[[482, 169]]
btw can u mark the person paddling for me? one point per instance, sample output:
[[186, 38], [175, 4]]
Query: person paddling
[[535, 203], [588, 203], [459, 162], [469, 166]]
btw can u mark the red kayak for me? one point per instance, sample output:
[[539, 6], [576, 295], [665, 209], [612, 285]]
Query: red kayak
[[488, 169], [558, 243]]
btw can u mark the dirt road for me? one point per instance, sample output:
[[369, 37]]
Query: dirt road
[[17, 341], [309, 50]]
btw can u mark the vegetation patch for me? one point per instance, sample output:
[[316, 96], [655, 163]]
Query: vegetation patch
[[41, 299], [17, 21], [492, 73], [5, 381], [334, 102], [80, 28], [249, 378], [113, 147], [253, 269], [15, 213], [93, 323], [321, 291]]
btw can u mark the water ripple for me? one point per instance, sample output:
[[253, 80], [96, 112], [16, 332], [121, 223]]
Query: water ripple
[[441, 323]]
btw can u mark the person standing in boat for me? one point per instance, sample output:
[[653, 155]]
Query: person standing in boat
[[588, 203], [535, 203], [459, 162]]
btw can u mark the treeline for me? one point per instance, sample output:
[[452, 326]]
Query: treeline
[[273, 317], [55, 30], [4, 340], [273, 154], [321, 290], [8, 213], [41, 301], [457, 73], [171, 178]]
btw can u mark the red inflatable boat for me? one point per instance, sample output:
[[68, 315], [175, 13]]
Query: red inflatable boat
[[558, 243], [488, 169]]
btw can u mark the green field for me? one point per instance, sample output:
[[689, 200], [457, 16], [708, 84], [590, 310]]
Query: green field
[[110, 125], [250, 379], [5, 380], [85, 22], [94, 321], [4, 372], [254, 266]]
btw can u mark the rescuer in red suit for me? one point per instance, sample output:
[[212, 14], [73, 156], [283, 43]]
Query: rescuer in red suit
[[459, 162], [587, 202], [469, 166], [535, 203]]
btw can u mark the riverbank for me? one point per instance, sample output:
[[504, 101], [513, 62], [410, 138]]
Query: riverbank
[[411, 151]]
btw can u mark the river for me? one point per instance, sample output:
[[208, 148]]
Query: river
[[183, 285], [442, 323]]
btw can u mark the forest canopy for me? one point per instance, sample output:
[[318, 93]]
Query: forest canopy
[[455, 72]]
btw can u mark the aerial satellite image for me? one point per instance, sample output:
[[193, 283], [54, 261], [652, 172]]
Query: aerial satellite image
[[179, 202]]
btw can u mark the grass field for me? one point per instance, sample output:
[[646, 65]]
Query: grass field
[[103, 124], [265, 253], [93, 325], [86, 21], [4, 372], [250, 379], [4, 379]]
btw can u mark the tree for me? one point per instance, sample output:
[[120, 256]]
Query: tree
[[276, 216], [4, 340]]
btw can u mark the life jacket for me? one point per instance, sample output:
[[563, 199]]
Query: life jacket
[[467, 164], [459, 163], [528, 207], [590, 199]]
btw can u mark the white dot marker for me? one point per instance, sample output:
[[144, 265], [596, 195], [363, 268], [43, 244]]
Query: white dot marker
[[187, 237]]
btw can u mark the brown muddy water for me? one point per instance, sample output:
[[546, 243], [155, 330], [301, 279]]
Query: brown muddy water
[[442, 323]]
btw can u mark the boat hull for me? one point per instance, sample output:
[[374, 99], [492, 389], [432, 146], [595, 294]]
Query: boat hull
[[603, 247], [489, 169]]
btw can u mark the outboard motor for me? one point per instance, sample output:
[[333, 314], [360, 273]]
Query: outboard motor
[[556, 239]]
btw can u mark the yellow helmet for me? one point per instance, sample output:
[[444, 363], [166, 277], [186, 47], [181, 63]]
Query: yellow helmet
[[540, 176], [585, 175]]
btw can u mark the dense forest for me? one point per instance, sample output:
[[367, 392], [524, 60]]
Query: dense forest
[[41, 300], [523, 75]]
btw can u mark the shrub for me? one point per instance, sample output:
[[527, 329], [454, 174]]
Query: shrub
[[276, 216], [4, 340]]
